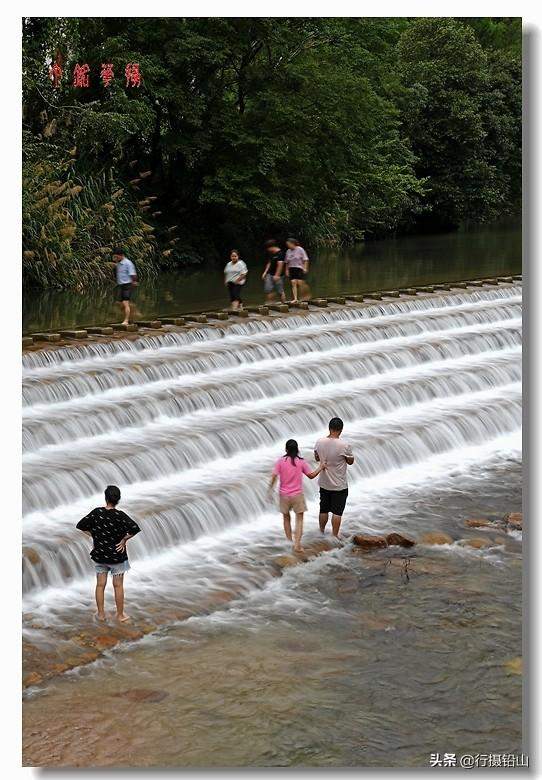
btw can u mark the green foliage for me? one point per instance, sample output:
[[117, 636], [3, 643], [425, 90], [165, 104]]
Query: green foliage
[[335, 129], [70, 225], [463, 114]]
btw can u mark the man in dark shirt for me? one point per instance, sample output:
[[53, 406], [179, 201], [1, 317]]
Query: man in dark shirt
[[110, 529], [273, 281]]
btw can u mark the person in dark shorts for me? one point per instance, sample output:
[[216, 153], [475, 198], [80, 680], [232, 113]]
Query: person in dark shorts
[[297, 266], [110, 528], [336, 453], [126, 281], [235, 274], [273, 281]]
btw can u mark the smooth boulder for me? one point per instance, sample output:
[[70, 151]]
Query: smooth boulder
[[398, 540], [514, 520], [476, 522], [367, 542], [436, 537]]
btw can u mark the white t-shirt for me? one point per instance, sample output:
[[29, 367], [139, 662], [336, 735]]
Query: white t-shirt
[[334, 453], [233, 271], [125, 271]]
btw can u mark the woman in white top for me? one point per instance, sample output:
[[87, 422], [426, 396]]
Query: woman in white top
[[235, 274]]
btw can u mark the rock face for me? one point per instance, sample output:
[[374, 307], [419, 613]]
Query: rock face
[[436, 537], [399, 540], [514, 520], [367, 542]]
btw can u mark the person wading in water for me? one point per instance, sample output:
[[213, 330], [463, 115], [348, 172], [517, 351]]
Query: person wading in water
[[109, 529], [297, 267], [126, 281], [273, 281], [337, 455], [290, 469], [235, 274]]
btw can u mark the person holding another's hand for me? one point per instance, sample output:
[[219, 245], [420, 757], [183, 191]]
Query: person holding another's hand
[[290, 469]]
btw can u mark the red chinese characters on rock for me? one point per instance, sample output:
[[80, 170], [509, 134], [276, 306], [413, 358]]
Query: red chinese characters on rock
[[107, 74], [81, 75], [133, 75]]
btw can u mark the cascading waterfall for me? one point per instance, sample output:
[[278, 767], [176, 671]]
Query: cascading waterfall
[[188, 424]]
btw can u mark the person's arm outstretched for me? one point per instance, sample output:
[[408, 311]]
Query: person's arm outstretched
[[312, 474]]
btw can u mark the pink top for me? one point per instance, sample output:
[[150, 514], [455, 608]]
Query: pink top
[[295, 258], [291, 475]]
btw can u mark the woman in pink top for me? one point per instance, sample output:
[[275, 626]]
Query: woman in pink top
[[297, 266], [290, 469]]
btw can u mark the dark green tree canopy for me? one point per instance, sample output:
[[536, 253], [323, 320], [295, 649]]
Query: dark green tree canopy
[[336, 129]]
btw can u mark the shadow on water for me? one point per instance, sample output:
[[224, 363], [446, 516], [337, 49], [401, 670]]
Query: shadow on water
[[469, 253]]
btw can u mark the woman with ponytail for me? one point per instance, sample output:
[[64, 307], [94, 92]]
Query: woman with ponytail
[[290, 469]]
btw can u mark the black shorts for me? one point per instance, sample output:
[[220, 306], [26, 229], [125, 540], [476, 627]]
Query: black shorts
[[124, 291], [235, 291], [296, 273], [333, 501]]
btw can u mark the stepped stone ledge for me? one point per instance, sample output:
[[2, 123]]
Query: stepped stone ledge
[[53, 339]]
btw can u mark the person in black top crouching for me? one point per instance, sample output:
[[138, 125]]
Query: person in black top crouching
[[110, 529]]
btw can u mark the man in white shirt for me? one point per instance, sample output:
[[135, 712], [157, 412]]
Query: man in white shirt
[[336, 453], [126, 281]]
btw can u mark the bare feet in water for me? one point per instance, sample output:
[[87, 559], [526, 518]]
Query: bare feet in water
[[100, 616], [123, 618]]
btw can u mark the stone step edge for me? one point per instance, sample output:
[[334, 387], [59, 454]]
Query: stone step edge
[[202, 318]]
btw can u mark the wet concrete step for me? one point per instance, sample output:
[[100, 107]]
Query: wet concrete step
[[216, 315], [51, 337], [106, 330], [303, 305], [236, 312], [172, 321], [263, 309], [74, 334], [149, 324], [130, 328]]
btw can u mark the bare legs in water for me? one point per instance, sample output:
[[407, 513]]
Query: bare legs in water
[[118, 589], [298, 530], [335, 522]]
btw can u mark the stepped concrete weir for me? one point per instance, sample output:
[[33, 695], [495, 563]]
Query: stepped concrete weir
[[190, 418]]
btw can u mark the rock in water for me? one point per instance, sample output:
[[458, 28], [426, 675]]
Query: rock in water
[[514, 665], [514, 520], [475, 542], [475, 522], [367, 542], [399, 540], [436, 537], [283, 561]]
